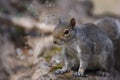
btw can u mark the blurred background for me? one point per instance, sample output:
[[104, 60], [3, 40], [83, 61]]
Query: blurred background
[[26, 27]]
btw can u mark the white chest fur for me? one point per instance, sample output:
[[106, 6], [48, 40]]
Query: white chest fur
[[73, 49]]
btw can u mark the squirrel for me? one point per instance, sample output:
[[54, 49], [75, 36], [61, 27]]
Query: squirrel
[[86, 47], [111, 27]]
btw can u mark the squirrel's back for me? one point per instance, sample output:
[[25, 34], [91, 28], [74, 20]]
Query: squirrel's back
[[93, 37], [92, 32]]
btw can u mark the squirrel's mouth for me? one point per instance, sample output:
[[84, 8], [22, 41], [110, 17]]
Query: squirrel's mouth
[[60, 43]]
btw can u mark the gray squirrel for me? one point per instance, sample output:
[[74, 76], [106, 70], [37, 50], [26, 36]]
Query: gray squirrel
[[87, 47]]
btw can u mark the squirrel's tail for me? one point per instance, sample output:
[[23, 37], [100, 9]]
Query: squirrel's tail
[[111, 27]]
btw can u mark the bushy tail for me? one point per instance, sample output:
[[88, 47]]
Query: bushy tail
[[111, 27]]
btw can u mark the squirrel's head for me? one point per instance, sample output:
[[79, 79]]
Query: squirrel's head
[[64, 32]]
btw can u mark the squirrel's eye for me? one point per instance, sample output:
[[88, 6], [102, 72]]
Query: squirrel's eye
[[66, 32]]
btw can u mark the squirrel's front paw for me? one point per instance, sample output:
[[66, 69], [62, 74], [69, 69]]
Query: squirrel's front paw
[[79, 74], [61, 71]]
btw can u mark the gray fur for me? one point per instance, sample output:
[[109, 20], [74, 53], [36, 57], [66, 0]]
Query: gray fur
[[86, 46], [111, 27]]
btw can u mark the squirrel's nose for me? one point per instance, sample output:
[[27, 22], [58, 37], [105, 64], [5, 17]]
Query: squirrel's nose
[[54, 42]]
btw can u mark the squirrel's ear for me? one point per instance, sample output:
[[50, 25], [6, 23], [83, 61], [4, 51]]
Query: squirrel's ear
[[72, 23]]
